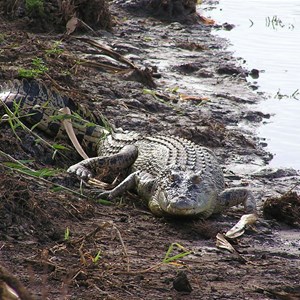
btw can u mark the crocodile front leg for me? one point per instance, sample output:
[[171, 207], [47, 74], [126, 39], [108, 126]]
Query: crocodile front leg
[[235, 196], [89, 167], [141, 181]]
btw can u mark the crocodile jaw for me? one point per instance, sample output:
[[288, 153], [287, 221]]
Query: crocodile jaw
[[202, 205]]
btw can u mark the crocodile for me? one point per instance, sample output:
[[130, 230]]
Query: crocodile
[[174, 176]]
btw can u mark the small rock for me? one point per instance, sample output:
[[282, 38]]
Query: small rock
[[255, 116], [228, 26], [231, 70], [272, 173], [181, 283], [254, 73]]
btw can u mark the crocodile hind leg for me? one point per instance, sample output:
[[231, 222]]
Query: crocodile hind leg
[[90, 167]]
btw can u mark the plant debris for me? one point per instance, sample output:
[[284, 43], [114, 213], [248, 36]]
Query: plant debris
[[284, 209]]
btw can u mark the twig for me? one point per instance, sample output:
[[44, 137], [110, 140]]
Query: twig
[[88, 27], [15, 284], [92, 233], [123, 245], [83, 260], [95, 64], [107, 50]]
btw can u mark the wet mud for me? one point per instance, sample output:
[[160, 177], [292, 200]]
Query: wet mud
[[66, 246]]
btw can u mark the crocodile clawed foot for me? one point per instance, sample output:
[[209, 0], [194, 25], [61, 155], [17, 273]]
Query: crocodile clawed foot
[[104, 195], [80, 171], [100, 194]]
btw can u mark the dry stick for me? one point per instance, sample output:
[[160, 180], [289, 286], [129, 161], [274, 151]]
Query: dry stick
[[60, 88], [15, 284], [83, 260], [88, 27], [72, 136], [101, 184], [108, 51], [56, 84], [70, 131], [95, 64], [123, 245], [88, 235], [293, 187]]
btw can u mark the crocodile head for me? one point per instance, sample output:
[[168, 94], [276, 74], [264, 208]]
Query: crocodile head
[[184, 193]]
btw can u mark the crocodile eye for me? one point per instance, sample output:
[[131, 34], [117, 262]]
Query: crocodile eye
[[195, 179], [174, 177]]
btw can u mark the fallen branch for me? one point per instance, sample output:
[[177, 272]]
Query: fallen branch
[[108, 51]]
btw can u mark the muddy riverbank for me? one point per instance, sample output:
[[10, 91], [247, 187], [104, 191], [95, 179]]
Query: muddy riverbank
[[62, 246]]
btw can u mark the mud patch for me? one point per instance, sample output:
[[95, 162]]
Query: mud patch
[[27, 209]]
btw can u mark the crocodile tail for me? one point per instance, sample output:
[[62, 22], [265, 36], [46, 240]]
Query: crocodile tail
[[36, 104]]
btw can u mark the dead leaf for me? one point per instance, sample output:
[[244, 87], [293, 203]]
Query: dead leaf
[[193, 98], [238, 229], [72, 25], [207, 21], [223, 243], [71, 134]]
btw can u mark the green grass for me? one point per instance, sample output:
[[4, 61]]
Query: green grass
[[104, 202], [67, 234], [169, 259], [39, 68], [20, 167], [295, 95], [55, 49], [14, 120], [44, 172], [97, 257], [2, 37], [34, 7]]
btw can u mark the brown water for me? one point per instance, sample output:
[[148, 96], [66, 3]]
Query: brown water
[[267, 36]]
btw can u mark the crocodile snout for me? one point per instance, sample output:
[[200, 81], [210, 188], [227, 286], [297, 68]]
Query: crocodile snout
[[180, 205]]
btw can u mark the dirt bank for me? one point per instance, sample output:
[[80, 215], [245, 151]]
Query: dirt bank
[[63, 246]]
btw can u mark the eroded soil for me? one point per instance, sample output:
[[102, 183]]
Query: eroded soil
[[201, 94]]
